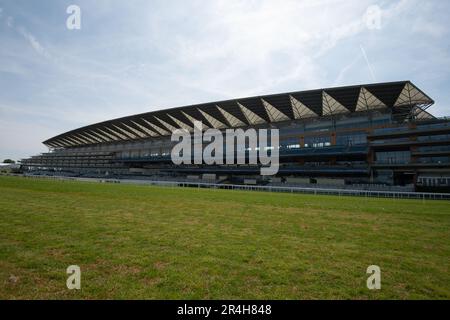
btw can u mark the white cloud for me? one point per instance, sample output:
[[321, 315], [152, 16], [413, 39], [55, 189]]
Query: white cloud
[[33, 42], [254, 47], [26, 35], [10, 22], [346, 69]]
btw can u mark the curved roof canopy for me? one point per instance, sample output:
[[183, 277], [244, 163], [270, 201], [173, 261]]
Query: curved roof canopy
[[253, 111]]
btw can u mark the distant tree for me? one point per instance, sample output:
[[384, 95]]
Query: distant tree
[[9, 161]]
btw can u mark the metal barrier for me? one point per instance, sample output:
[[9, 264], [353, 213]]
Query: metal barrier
[[314, 191]]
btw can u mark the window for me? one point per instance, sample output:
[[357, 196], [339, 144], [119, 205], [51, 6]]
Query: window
[[290, 143], [434, 138], [395, 157], [351, 139], [317, 142], [435, 160]]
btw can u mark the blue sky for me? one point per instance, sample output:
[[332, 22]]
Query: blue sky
[[138, 56]]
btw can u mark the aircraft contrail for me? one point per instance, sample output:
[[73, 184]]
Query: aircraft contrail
[[368, 63]]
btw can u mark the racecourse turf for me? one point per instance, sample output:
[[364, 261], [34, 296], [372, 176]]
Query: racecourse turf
[[141, 242]]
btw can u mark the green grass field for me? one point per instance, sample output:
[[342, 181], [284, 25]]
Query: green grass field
[[134, 242]]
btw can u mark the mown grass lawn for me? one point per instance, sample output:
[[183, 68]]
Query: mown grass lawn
[[134, 242]]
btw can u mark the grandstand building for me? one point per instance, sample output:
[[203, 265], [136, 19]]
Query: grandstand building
[[375, 136]]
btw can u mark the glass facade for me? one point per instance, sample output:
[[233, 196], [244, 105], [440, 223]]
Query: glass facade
[[441, 137], [434, 149], [434, 160], [359, 149], [351, 139], [393, 157], [317, 142]]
